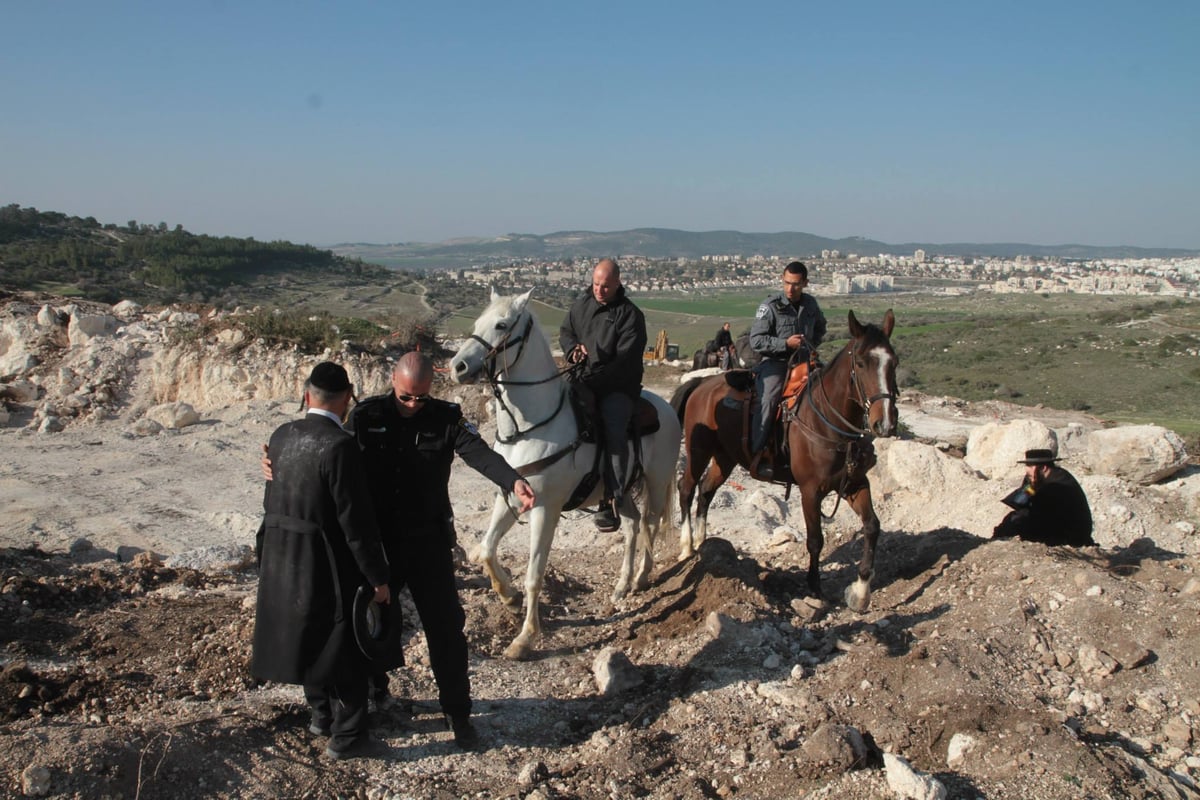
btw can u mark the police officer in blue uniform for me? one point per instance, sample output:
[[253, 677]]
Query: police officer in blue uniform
[[784, 323]]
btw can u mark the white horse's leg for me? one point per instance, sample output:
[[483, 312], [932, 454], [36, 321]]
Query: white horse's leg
[[660, 494], [542, 522], [648, 532], [632, 523], [502, 520]]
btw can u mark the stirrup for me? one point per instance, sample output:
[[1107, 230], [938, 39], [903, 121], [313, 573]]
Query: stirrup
[[606, 521], [759, 470]]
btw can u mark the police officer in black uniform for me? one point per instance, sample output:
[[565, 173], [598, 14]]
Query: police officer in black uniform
[[408, 440]]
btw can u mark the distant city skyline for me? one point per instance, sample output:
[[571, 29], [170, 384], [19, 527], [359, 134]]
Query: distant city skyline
[[1046, 124]]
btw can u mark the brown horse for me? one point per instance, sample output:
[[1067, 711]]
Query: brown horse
[[828, 435]]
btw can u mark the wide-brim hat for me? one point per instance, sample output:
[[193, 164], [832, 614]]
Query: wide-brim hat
[[1040, 456], [377, 629]]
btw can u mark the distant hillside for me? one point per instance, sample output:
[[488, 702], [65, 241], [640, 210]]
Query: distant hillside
[[53, 252], [668, 243]]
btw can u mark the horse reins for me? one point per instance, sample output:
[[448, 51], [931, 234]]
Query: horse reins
[[497, 384], [859, 433]]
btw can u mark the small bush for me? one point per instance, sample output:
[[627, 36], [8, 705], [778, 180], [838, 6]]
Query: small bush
[[310, 333]]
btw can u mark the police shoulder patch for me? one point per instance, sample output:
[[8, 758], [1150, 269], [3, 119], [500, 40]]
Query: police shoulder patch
[[468, 427], [762, 311]]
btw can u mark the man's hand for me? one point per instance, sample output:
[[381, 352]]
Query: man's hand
[[578, 353], [383, 595], [524, 493], [266, 465], [795, 340]]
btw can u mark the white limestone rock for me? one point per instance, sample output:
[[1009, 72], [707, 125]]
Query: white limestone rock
[[173, 415], [614, 672], [85, 327], [909, 783], [1143, 454], [995, 448]]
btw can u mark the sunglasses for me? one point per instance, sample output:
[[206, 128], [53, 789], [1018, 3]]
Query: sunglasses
[[409, 398]]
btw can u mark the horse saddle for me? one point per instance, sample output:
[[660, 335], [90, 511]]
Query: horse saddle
[[642, 422]]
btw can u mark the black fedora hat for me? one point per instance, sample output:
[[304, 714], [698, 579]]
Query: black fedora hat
[[377, 630], [1040, 456]]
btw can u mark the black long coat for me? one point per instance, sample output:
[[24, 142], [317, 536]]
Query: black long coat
[[320, 543], [1057, 514]]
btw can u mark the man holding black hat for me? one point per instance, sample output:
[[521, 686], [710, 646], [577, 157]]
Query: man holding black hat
[[1049, 506], [408, 440], [318, 545]]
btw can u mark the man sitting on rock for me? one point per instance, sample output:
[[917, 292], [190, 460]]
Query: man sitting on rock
[[1049, 507]]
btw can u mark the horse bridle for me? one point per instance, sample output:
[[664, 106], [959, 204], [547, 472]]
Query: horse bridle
[[858, 432], [497, 384]]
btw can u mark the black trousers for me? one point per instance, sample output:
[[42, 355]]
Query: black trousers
[[425, 564], [615, 410], [343, 707]]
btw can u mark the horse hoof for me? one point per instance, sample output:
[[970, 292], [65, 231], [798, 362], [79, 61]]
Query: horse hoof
[[858, 596], [517, 651], [512, 604]]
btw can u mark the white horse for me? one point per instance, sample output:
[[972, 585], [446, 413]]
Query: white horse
[[537, 434]]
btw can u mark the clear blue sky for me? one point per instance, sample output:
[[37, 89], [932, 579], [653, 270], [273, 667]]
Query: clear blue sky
[[1040, 122]]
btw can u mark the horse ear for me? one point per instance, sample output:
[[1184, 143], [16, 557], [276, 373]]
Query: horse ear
[[855, 328], [495, 294], [889, 322], [520, 300]]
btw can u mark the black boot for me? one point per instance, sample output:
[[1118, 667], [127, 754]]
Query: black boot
[[606, 520], [760, 467], [465, 735]]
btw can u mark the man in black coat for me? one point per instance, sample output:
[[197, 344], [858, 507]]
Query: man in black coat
[[408, 441], [606, 332], [319, 544], [1049, 506], [723, 346]]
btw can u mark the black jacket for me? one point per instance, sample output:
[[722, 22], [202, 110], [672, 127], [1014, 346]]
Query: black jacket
[[408, 463], [1057, 513], [320, 543], [615, 337]]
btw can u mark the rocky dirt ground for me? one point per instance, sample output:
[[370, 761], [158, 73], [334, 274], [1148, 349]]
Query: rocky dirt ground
[[1006, 670]]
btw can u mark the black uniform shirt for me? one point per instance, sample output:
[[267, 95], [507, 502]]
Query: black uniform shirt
[[408, 461]]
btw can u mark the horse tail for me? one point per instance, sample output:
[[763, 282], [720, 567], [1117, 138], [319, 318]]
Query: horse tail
[[680, 397], [668, 517]]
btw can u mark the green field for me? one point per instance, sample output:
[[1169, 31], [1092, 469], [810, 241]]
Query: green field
[[1126, 359]]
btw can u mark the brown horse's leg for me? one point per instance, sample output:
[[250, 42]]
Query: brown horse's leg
[[698, 452], [858, 594], [810, 501], [718, 472]]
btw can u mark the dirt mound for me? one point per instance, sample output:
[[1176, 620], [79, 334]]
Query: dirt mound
[[1073, 672]]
